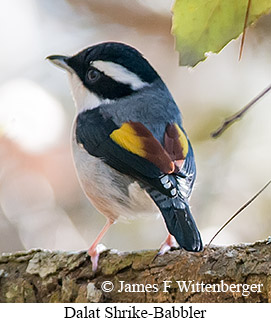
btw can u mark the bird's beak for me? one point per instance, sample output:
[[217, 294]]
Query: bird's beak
[[59, 60]]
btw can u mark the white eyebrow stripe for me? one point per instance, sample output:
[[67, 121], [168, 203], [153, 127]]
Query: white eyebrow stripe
[[120, 74]]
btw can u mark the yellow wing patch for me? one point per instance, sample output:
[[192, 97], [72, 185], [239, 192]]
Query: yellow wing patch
[[137, 139], [183, 140], [127, 137]]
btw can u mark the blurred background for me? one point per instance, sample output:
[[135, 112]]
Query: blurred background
[[41, 203]]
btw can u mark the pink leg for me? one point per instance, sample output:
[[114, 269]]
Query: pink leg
[[92, 251], [167, 244]]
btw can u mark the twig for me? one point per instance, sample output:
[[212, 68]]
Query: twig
[[244, 29], [239, 211], [238, 115]]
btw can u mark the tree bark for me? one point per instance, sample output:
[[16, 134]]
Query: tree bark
[[56, 276]]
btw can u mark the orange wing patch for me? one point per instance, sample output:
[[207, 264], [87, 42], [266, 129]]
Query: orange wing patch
[[136, 138]]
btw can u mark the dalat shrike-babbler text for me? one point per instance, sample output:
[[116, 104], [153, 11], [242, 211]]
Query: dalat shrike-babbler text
[[130, 149]]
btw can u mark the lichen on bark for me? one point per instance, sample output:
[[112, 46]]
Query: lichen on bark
[[56, 276]]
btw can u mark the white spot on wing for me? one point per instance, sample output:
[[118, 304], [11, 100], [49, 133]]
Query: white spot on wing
[[120, 74], [184, 187]]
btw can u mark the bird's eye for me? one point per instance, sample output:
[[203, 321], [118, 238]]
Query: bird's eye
[[93, 75]]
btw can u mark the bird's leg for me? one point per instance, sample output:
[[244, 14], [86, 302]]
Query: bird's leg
[[92, 251], [167, 245]]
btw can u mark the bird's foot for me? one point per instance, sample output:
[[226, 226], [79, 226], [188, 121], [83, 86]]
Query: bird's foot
[[167, 245], [95, 249], [94, 253]]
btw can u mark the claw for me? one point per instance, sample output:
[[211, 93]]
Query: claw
[[94, 253], [167, 245]]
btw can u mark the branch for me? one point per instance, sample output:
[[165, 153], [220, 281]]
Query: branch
[[51, 276], [240, 210], [237, 116]]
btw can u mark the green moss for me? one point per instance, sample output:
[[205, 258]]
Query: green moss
[[143, 259], [20, 291], [116, 263]]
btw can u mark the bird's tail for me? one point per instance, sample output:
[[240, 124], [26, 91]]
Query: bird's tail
[[179, 221]]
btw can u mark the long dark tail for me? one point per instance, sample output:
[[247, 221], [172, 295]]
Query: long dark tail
[[179, 221]]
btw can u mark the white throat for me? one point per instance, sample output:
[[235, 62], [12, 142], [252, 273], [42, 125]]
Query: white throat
[[83, 98]]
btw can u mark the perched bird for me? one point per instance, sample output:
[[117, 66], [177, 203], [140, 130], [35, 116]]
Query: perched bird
[[130, 149]]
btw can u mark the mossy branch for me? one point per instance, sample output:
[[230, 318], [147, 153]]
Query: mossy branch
[[54, 276]]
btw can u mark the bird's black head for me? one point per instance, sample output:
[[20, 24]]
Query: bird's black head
[[110, 70]]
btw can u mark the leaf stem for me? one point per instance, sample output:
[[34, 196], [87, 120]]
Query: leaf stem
[[244, 29]]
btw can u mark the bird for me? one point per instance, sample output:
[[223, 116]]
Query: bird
[[131, 152]]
